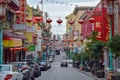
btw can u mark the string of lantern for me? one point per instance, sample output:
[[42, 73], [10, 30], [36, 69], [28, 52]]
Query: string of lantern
[[59, 2]]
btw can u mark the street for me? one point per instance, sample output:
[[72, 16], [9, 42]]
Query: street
[[62, 73]]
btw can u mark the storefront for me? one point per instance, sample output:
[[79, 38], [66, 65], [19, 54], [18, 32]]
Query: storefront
[[13, 47]]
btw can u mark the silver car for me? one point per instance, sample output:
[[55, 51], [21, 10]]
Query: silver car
[[10, 72]]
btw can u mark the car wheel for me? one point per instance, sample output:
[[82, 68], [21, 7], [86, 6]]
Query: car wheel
[[32, 78]]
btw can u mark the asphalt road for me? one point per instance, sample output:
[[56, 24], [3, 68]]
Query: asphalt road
[[62, 73]]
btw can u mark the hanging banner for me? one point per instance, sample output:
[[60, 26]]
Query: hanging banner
[[19, 26], [28, 35], [31, 29]]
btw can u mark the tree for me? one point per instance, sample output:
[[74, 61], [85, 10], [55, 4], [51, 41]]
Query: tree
[[95, 48], [114, 46]]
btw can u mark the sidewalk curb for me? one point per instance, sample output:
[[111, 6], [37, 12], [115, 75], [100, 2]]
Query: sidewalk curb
[[89, 74]]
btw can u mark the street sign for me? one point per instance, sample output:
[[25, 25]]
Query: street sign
[[31, 29], [19, 26]]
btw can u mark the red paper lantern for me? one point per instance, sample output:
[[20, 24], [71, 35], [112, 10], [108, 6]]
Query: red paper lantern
[[17, 12], [68, 40], [38, 18], [23, 5], [49, 20], [11, 49], [25, 49], [59, 21], [22, 9], [91, 20], [81, 34], [80, 21], [45, 38], [51, 39], [28, 19], [63, 40], [71, 22], [34, 36], [23, 0]]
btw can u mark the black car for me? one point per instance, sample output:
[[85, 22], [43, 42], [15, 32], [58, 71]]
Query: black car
[[44, 65], [57, 52], [63, 64]]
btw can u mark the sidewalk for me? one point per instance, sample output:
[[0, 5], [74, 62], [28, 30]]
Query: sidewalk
[[90, 74]]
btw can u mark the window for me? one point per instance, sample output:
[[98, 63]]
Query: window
[[14, 68], [4, 68]]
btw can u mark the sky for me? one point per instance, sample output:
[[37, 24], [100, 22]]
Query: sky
[[60, 9]]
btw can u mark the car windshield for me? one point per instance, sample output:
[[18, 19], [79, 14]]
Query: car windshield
[[42, 62], [4, 68], [19, 65]]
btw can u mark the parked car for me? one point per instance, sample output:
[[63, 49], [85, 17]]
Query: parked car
[[76, 64], [36, 67], [64, 64], [51, 59], [22, 66], [57, 52], [10, 72], [69, 61], [44, 65]]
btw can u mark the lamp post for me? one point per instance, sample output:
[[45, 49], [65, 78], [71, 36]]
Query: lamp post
[[1, 44], [110, 14], [2, 17], [81, 63], [80, 21]]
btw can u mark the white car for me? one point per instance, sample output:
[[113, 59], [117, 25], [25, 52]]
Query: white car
[[10, 72]]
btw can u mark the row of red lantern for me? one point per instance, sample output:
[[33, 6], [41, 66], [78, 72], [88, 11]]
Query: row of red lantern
[[21, 48], [80, 21]]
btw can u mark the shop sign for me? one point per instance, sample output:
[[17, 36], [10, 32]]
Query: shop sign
[[32, 48], [30, 29], [12, 42], [19, 26], [8, 43]]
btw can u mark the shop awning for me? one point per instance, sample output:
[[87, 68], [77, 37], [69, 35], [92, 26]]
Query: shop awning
[[10, 34], [14, 4]]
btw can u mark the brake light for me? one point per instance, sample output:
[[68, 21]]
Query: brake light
[[24, 68], [8, 77]]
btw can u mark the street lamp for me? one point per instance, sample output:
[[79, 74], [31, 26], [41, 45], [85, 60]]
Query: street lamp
[[80, 21], [110, 15]]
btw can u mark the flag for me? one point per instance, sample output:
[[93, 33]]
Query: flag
[[41, 1]]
